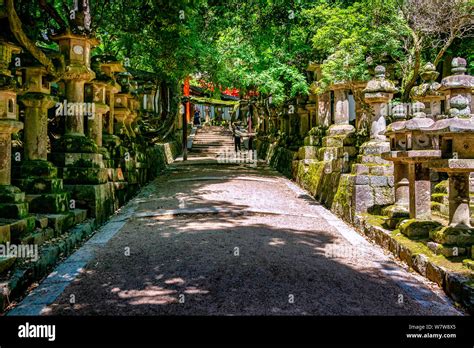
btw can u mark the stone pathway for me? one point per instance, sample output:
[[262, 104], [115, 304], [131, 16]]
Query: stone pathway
[[211, 141], [230, 240]]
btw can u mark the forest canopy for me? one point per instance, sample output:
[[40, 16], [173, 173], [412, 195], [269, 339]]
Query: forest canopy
[[263, 45]]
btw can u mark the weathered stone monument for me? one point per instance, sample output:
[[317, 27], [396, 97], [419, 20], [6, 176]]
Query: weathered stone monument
[[410, 147], [372, 178], [429, 92], [36, 175], [13, 207], [341, 110], [455, 137], [76, 155]]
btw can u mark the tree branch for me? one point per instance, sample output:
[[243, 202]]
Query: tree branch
[[16, 28], [53, 14]]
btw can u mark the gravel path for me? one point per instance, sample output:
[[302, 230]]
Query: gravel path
[[243, 241]]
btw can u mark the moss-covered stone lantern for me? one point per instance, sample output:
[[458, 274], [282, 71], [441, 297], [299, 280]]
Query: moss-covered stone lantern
[[378, 93], [454, 138], [410, 146], [12, 200], [429, 92], [458, 84], [36, 175], [372, 177]]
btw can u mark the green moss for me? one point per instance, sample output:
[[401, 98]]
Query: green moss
[[375, 220], [75, 143], [438, 197], [442, 187], [419, 247], [453, 236], [342, 202], [35, 169]]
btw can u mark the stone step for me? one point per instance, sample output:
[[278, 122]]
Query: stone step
[[50, 203], [13, 230], [62, 222], [38, 237]]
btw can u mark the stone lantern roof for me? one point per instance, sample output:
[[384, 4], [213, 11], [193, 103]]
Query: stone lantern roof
[[418, 122], [430, 88], [459, 79], [460, 121], [125, 80], [379, 84]]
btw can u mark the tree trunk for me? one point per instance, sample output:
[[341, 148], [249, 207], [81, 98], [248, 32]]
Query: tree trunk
[[416, 68], [16, 28]]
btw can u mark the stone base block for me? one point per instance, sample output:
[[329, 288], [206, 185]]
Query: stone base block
[[395, 214], [87, 160], [307, 152], [51, 203], [39, 185], [374, 148], [439, 249], [82, 175], [39, 237], [11, 194], [41, 221], [338, 140], [35, 169], [99, 199], [341, 129], [372, 169], [372, 159], [5, 236], [418, 228], [312, 140], [383, 195], [13, 210], [75, 143], [62, 222], [15, 229], [457, 236]]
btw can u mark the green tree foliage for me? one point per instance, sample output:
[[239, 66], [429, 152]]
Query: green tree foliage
[[263, 45], [352, 37]]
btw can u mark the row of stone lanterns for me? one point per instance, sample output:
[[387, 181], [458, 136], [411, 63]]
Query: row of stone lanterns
[[440, 144], [86, 163], [12, 200]]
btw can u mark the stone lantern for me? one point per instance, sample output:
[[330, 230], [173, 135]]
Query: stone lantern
[[458, 84], [76, 50], [378, 94], [429, 92], [36, 176], [97, 90], [373, 175], [76, 155], [110, 68], [149, 89], [341, 110], [12, 200], [454, 138], [121, 111], [410, 146], [133, 105]]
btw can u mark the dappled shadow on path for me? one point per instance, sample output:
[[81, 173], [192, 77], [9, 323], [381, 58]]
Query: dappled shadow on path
[[219, 265], [236, 263]]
